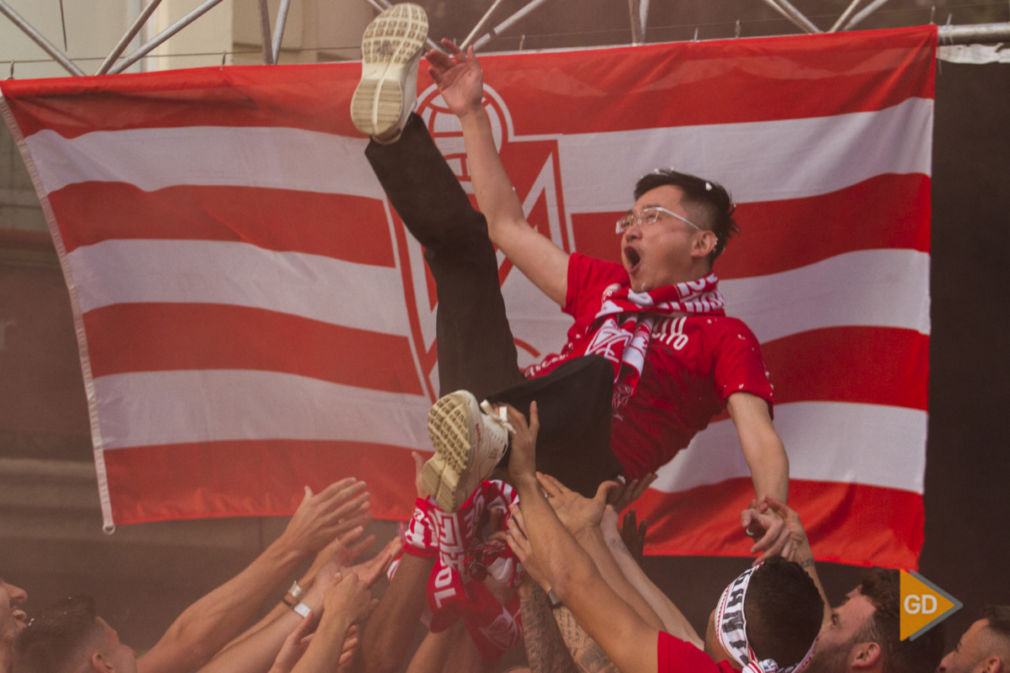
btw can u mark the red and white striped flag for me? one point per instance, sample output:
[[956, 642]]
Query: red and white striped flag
[[252, 316]]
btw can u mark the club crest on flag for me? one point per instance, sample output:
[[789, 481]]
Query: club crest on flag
[[534, 167]]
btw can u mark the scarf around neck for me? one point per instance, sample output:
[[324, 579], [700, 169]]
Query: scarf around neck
[[623, 326]]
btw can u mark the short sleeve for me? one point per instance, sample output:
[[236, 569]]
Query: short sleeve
[[674, 655], [739, 366], [587, 278]]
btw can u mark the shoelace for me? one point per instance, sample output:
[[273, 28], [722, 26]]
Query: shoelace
[[499, 415]]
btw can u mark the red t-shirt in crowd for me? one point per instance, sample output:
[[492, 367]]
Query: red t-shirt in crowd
[[692, 365], [677, 656]]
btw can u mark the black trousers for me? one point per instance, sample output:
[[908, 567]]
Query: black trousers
[[476, 351]]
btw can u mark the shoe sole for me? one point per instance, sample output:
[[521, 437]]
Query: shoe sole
[[390, 43], [449, 476]]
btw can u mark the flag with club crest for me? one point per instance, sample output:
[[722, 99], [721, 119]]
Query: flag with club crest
[[252, 316]]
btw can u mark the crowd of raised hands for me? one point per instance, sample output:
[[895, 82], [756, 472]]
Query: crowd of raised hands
[[511, 580]]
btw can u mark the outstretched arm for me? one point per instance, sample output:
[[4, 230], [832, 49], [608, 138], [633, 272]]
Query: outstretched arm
[[762, 448], [624, 636], [207, 625], [461, 83], [674, 621], [795, 547]]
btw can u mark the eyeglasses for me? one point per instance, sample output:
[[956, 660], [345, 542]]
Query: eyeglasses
[[649, 215]]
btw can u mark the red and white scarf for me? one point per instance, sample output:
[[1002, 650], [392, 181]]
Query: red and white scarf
[[622, 329]]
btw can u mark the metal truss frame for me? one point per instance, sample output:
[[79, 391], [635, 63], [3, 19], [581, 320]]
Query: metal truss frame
[[638, 11]]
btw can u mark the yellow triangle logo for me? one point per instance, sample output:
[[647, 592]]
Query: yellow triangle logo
[[923, 605]]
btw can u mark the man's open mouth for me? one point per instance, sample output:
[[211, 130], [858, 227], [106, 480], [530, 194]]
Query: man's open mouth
[[633, 258]]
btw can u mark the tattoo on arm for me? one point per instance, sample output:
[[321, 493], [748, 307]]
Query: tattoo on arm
[[545, 649], [589, 656]]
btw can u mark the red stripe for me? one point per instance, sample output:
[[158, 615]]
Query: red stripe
[[275, 219], [871, 365], [155, 337], [846, 523], [250, 478], [887, 211], [725, 81], [584, 91], [313, 97]]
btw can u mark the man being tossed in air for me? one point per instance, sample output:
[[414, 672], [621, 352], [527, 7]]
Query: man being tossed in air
[[650, 338]]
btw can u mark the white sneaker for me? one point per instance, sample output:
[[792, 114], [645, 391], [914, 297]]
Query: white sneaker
[[468, 444], [390, 49]]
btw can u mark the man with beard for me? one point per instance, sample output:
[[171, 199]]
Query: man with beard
[[12, 620], [860, 634], [984, 647]]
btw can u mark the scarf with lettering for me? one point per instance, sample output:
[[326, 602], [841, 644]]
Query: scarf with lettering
[[622, 328], [731, 631]]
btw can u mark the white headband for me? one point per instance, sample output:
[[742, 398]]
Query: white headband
[[731, 630]]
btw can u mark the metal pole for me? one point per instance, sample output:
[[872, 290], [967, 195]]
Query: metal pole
[[165, 34], [787, 10], [845, 16], [480, 24], [282, 19], [507, 23], [636, 21], [268, 47], [37, 37], [869, 9], [975, 33], [130, 34]]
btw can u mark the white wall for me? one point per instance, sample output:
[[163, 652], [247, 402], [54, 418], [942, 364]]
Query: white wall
[[315, 30]]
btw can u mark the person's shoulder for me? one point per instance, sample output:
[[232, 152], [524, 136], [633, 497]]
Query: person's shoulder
[[600, 265]]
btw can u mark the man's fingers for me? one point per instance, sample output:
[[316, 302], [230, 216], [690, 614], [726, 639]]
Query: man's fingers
[[534, 413], [605, 489], [551, 486]]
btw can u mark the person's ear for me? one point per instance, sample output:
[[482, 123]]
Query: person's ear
[[867, 655], [993, 665], [99, 664], [704, 243]]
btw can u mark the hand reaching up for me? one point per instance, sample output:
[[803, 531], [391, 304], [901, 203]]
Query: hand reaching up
[[458, 76]]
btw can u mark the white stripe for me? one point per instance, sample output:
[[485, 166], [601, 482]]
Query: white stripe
[[280, 158], [868, 444], [169, 407], [877, 288], [225, 272], [756, 161]]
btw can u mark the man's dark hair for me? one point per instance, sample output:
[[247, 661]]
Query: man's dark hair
[[55, 636], [710, 198], [998, 618], [882, 587], [783, 610]]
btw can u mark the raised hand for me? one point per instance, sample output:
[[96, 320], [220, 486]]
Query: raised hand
[[523, 455], [294, 646], [320, 517], [520, 545], [458, 76], [348, 596], [376, 567], [633, 535], [575, 511], [784, 534], [629, 491]]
